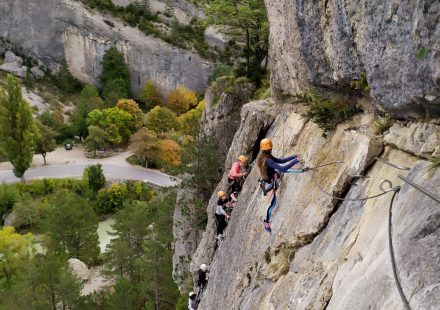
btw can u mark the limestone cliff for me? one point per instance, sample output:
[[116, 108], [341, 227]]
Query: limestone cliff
[[51, 30], [331, 43], [324, 253]]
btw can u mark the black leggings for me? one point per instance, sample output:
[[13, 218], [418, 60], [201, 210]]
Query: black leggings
[[235, 185], [221, 223]]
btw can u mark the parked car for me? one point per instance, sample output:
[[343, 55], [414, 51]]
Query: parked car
[[68, 146]]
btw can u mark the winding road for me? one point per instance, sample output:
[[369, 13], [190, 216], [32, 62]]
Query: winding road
[[112, 171]]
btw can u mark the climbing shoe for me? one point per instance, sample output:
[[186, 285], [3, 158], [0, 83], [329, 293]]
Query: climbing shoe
[[267, 227]]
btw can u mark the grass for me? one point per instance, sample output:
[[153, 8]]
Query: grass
[[362, 82], [434, 162], [326, 112], [382, 124]]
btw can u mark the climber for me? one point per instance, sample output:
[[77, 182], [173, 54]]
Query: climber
[[192, 302], [236, 176], [271, 171], [221, 215], [201, 283]]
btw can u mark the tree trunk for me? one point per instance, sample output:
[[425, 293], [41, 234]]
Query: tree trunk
[[44, 158], [22, 179], [156, 262]]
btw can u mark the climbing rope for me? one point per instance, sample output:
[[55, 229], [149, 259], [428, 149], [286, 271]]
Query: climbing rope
[[392, 255]]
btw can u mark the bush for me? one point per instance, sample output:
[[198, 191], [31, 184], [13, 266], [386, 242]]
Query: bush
[[39, 188], [189, 122], [111, 199], [327, 113], [171, 153], [29, 211], [219, 71], [150, 95], [139, 191], [8, 197], [161, 119]]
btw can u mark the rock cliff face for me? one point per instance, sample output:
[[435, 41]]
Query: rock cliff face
[[324, 253], [51, 30], [330, 44]]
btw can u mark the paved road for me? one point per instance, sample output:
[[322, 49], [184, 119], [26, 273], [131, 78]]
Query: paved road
[[111, 172]]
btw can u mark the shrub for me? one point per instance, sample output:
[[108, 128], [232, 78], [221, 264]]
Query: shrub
[[150, 95], [328, 113], [94, 175], [435, 162], [8, 197], [382, 124], [171, 153], [189, 122], [112, 198], [139, 191], [219, 71], [29, 211]]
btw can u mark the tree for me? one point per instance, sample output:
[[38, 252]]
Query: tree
[[88, 100], [95, 177], [17, 128], [189, 123], [161, 119], [145, 145], [97, 138], [181, 100], [45, 140], [170, 153], [14, 251], [130, 106], [72, 227], [112, 198], [114, 121], [115, 76], [247, 24], [8, 197], [150, 95], [64, 80]]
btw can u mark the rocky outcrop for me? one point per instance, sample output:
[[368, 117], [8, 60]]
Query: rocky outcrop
[[215, 38], [323, 253], [79, 269], [221, 117], [51, 30], [331, 43], [11, 219], [13, 64]]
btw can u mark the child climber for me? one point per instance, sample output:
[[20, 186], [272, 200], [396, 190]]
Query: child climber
[[221, 215], [271, 171], [236, 176]]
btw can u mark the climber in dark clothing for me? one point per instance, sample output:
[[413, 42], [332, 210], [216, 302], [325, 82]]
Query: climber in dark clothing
[[202, 281], [221, 215], [271, 171]]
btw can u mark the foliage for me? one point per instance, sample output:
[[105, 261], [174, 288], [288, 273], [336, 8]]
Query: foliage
[[204, 166], [115, 76], [264, 91], [362, 82], [71, 224], [94, 176], [130, 106], [421, 53], [181, 99], [145, 145], [327, 113], [111, 198], [139, 191], [89, 100], [14, 251], [170, 153], [64, 80], [29, 211], [45, 140], [45, 187], [382, 124], [17, 128], [150, 95], [435, 162], [247, 24], [114, 121], [97, 138], [140, 257], [220, 71], [189, 123], [8, 197], [161, 119]]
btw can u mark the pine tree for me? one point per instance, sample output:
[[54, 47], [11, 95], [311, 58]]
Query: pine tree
[[17, 128]]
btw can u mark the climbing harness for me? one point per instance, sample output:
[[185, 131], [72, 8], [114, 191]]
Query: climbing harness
[[267, 187]]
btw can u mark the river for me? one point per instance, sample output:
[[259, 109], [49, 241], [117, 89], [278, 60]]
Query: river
[[104, 227]]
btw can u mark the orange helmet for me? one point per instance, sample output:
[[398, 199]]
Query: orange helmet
[[221, 194], [266, 144], [242, 158]]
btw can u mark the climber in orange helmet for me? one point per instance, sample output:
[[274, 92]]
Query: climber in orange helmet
[[236, 176]]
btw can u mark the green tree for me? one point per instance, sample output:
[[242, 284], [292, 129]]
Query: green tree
[[112, 198], [115, 76], [45, 140], [88, 100], [97, 138], [72, 225], [130, 106], [247, 24], [189, 123], [161, 119], [29, 211], [64, 80], [95, 177], [8, 197], [114, 121], [17, 128], [145, 145], [150, 95]]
